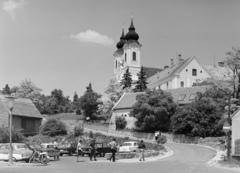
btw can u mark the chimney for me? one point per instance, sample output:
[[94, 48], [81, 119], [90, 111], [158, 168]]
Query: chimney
[[221, 64], [166, 66], [172, 62]]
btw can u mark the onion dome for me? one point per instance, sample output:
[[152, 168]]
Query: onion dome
[[122, 41], [131, 35]]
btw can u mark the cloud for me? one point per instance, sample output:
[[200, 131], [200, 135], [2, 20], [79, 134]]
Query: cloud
[[11, 6], [93, 37]]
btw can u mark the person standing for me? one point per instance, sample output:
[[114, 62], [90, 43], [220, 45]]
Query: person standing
[[93, 150], [141, 147], [113, 146], [156, 136], [79, 150]]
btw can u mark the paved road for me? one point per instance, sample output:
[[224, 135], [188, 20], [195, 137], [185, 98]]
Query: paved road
[[186, 159]]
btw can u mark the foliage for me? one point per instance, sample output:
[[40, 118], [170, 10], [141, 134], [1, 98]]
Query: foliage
[[17, 136], [53, 127], [126, 81], [6, 90], [61, 110], [51, 106], [153, 110], [233, 62], [71, 111], [162, 139], [66, 109], [141, 83], [58, 95], [78, 112], [114, 92], [203, 116], [90, 135], [89, 102], [120, 123], [78, 130], [75, 100]]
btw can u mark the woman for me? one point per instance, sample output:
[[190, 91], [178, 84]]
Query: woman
[[79, 150]]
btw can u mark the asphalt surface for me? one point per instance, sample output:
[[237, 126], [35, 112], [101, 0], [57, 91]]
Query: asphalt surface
[[186, 159]]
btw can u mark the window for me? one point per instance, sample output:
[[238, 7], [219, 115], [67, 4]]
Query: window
[[194, 72], [181, 97], [116, 63], [192, 96], [167, 85], [182, 84], [201, 71], [134, 56], [186, 69], [125, 57], [24, 123]]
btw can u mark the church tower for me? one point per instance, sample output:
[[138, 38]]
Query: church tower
[[128, 54]]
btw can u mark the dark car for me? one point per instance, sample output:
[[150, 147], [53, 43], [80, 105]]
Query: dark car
[[67, 149], [101, 149], [50, 151]]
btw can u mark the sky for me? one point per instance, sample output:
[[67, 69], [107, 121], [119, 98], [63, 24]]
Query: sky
[[66, 44]]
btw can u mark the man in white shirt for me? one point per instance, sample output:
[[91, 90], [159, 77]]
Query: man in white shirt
[[79, 150]]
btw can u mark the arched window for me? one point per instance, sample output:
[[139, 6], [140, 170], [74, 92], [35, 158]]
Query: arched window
[[116, 63], [125, 57], [134, 56]]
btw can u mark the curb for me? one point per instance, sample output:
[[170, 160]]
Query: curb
[[20, 164]]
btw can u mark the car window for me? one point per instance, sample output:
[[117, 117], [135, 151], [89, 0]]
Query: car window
[[21, 147], [127, 144], [50, 146]]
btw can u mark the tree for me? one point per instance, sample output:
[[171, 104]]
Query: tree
[[141, 83], [120, 122], [114, 92], [53, 127], [204, 116], [153, 110], [75, 98], [89, 102], [58, 95], [233, 62], [126, 81], [52, 106], [6, 90]]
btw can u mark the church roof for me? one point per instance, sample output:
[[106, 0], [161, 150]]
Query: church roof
[[132, 35]]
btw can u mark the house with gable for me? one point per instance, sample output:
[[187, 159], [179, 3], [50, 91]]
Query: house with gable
[[123, 107], [183, 73], [235, 132], [25, 115]]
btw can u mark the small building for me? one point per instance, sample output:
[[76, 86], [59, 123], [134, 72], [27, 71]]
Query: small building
[[123, 107], [235, 132], [25, 115]]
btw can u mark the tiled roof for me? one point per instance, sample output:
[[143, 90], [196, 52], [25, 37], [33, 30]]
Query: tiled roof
[[218, 73], [22, 107], [151, 71], [129, 99], [170, 72]]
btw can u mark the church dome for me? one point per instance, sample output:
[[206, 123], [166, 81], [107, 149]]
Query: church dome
[[131, 35], [122, 41]]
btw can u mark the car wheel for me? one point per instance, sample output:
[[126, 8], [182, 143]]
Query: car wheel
[[14, 159], [70, 153], [61, 154], [57, 157]]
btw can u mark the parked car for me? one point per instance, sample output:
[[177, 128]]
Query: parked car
[[101, 149], [55, 151], [67, 149], [51, 152], [21, 152], [130, 146]]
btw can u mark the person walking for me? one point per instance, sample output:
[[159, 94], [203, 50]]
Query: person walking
[[93, 150], [79, 150], [113, 146], [141, 147]]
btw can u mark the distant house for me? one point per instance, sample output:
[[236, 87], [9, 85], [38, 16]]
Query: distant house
[[235, 132], [180, 74], [25, 115], [123, 107]]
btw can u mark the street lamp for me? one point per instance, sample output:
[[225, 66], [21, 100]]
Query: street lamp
[[10, 105]]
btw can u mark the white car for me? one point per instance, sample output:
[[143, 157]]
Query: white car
[[54, 153], [21, 152], [130, 146]]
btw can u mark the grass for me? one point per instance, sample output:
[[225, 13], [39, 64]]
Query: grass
[[73, 116], [231, 163]]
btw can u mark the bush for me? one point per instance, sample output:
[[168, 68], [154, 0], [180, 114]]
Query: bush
[[17, 136], [162, 139], [66, 109], [53, 127], [120, 123], [71, 111], [61, 110], [78, 112], [78, 130]]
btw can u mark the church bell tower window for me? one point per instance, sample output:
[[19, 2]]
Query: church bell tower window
[[125, 57], [134, 56], [116, 63]]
